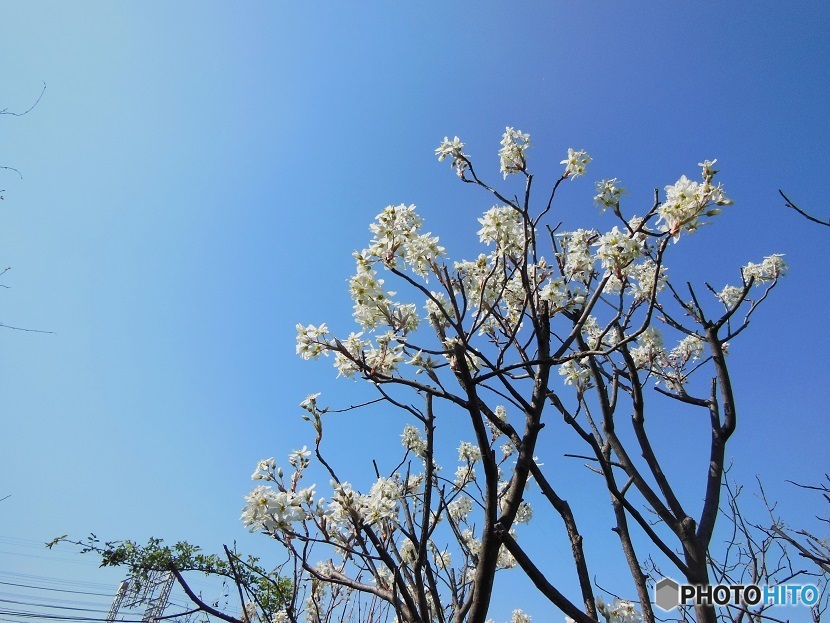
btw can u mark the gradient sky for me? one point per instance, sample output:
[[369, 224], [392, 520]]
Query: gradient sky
[[197, 175]]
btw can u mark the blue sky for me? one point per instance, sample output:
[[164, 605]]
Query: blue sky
[[198, 174]]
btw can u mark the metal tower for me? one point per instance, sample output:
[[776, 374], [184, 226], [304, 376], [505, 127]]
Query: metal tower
[[147, 596]]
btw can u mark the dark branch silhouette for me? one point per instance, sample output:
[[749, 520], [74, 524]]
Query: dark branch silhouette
[[809, 217]]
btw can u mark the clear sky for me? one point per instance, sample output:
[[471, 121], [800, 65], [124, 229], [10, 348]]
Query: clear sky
[[197, 175]]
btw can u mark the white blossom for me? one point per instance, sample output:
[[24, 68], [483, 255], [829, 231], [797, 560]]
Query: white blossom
[[561, 295], [299, 458], [468, 452], [617, 250], [280, 616], [519, 617], [501, 415], [502, 226], [383, 358], [730, 295], [480, 281], [370, 301], [344, 502], [385, 577], [512, 153], [689, 349], [772, 267], [443, 559], [642, 277], [397, 235], [310, 403], [575, 163], [408, 551], [576, 373], [348, 363], [687, 202], [650, 347], [272, 511], [464, 474], [311, 341], [460, 508], [264, 470], [412, 440], [524, 513], [576, 247], [439, 310], [620, 611], [608, 194], [453, 148], [382, 501]]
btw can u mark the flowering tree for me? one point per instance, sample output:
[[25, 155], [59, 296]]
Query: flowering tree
[[546, 327], [489, 337]]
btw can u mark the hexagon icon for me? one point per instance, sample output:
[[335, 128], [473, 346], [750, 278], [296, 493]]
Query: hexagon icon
[[667, 594]]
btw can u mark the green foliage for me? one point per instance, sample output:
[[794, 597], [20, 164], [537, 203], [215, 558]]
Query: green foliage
[[267, 589]]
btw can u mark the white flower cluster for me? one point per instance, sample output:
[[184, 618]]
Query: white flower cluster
[[641, 278], [382, 501], [439, 310], [265, 470], [687, 202], [690, 348], [501, 415], [771, 268], [649, 348], [575, 163], [512, 153], [620, 611], [280, 616], [617, 250], [371, 304], [477, 278], [468, 452], [502, 226], [562, 296], [730, 295], [452, 149], [464, 474], [397, 235], [514, 295], [608, 194], [459, 508], [380, 505], [668, 366], [348, 363], [298, 459], [519, 617], [412, 440], [576, 373], [311, 341], [576, 247], [276, 511], [594, 334], [443, 559], [504, 560], [524, 513]]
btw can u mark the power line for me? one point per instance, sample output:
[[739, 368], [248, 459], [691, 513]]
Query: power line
[[56, 617], [53, 580], [57, 590], [28, 603]]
